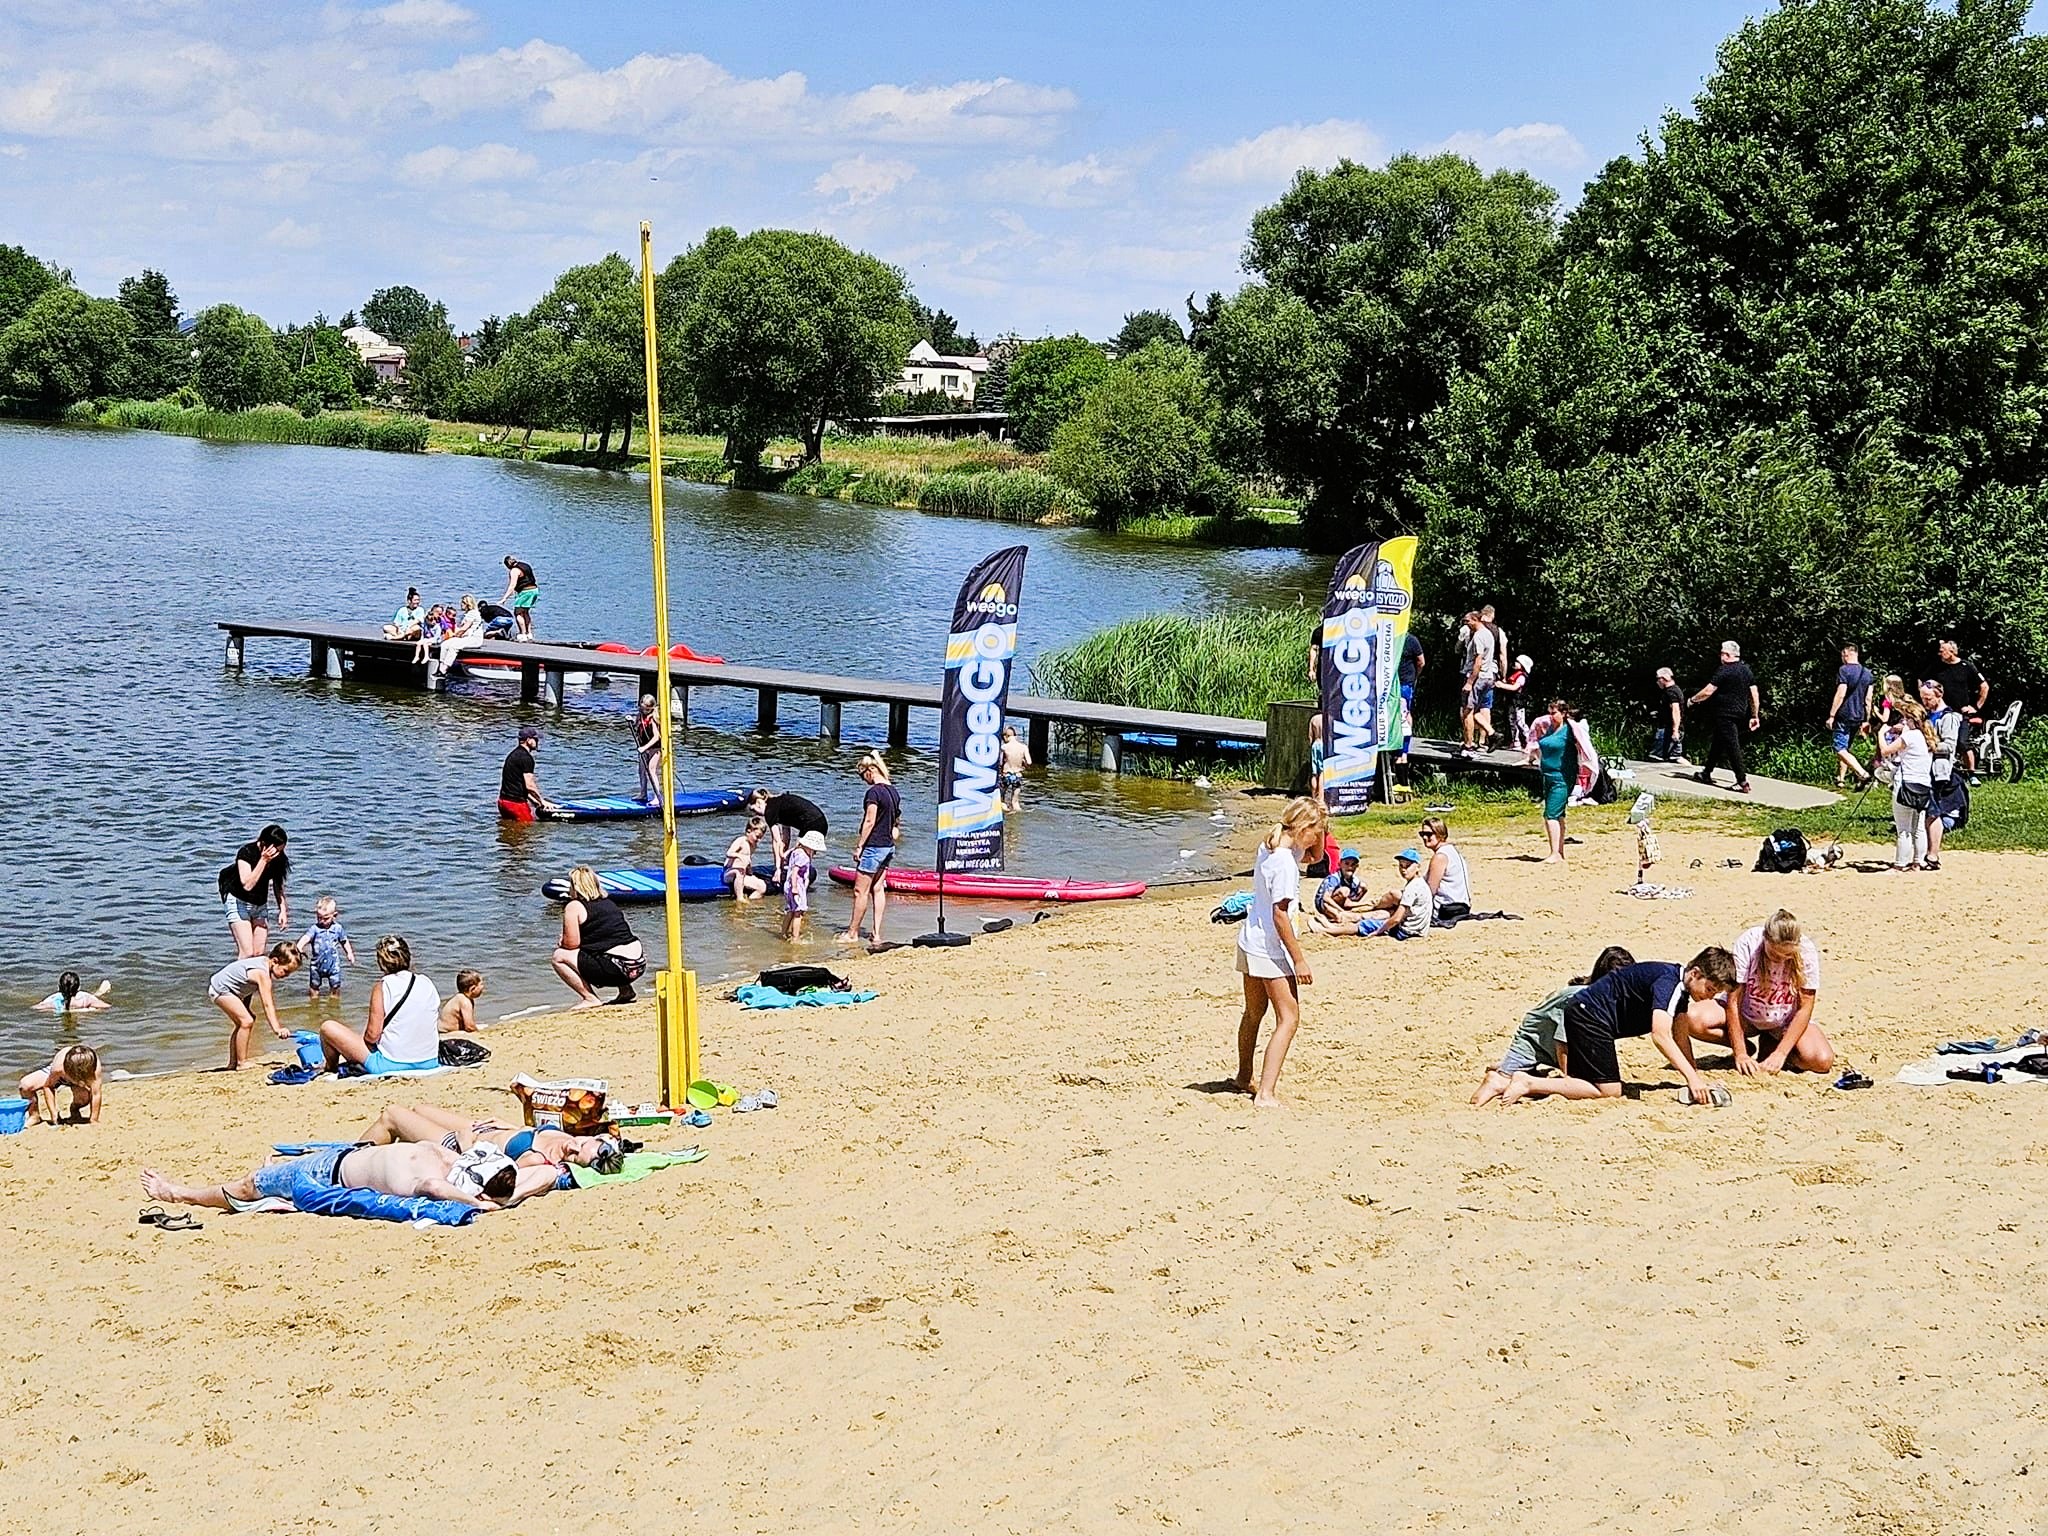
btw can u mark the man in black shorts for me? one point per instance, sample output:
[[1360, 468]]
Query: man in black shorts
[[1651, 997], [789, 817]]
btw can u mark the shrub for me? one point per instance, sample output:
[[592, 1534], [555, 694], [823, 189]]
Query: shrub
[[709, 468], [1231, 663], [819, 479], [1008, 495], [81, 413], [885, 488], [401, 434]]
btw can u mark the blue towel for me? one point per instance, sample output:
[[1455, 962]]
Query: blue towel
[[369, 1205], [753, 995]]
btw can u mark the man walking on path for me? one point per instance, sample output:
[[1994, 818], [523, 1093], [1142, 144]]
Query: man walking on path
[[1668, 745], [1481, 670], [1734, 696], [1849, 715]]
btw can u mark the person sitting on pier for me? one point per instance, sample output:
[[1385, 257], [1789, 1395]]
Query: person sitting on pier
[[468, 631], [519, 796], [499, 623], [405, 623]]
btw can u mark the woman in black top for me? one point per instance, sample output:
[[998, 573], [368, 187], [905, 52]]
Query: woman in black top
[[598, 948], [248, 884], [789, 817], [881, 810]]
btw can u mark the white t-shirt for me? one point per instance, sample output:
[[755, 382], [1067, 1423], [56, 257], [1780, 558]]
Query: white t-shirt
[[1915, 763], [1421, 908], [1276, 877], [1482, 651], [1769, 1000], [1456, 884], [413, 1033]]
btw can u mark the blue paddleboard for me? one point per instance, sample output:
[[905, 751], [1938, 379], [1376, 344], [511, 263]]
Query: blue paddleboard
[[695, 802], [694, 882]]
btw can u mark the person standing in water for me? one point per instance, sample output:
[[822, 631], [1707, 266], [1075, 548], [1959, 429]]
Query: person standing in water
[[522, 591], [1016, 757], [647, 746], [249, 883], [519, 796]]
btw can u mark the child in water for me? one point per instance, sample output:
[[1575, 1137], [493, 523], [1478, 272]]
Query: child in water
[[1538, 1044], [76, 1068], [796, 883], [458, 1010], [68, 999], [326, 944], [739, 876], [1016, 758]]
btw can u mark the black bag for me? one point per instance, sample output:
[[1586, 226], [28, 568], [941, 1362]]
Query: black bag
[[461, 1051], [1602, 791], [1783, 852], [798, 978], [1914, 797]]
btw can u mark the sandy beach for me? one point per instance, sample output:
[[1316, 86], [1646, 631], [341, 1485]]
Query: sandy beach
[[1001, 1262]]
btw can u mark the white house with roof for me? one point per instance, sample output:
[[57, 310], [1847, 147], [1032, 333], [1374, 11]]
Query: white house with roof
[[386, 356], [929, 371]]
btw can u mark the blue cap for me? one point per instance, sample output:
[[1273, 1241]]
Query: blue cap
[[1408, 856], [1348, 853]]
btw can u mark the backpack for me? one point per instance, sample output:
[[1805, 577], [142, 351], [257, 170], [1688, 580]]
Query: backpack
[[1232, 908], [1782, 853], [461, 1051], [1603, 791], [798, 978]]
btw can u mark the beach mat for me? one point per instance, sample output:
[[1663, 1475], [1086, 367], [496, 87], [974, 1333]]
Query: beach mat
[[1933, 1072]]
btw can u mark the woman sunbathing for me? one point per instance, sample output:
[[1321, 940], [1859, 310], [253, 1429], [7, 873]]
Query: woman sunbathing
[[543, 1156]]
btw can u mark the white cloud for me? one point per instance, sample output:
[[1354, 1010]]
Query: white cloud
[[479, 82], [861, 180], [445, 164], [651, 91], [1078, 183], [1526, 146], [1000, 110], [1275, 155], [14, 151], [421, 16], [291, 235]]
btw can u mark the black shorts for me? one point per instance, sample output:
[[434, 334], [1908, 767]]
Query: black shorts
[[599, 969], [1589, 1036]]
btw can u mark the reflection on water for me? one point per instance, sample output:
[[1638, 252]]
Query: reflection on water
[[131, 763]]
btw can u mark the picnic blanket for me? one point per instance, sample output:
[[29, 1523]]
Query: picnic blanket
[[754, 995], [1933, 1072]]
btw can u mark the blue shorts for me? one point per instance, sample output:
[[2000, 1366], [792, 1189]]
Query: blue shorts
[[314, 1171], [1482, 695], [379, 1064], [1368, 926], [874, 860], [240, 911], [1842, 737]]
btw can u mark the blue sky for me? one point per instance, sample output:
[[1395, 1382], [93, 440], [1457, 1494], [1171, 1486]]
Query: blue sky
[[1033, 167]]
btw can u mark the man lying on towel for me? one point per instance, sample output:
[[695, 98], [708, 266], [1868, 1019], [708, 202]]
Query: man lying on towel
[[484, 1179]]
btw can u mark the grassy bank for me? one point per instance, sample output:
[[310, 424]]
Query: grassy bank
[[1230, 663], [386, 431]]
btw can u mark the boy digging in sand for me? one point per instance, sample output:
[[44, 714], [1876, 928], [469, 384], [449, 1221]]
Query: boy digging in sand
[[1651, 997], [1538, 1045], [77, 1068]]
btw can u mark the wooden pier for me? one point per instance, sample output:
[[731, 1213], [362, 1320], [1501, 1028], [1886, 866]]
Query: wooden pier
[[545, 671]]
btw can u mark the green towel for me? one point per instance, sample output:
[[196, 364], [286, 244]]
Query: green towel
[[638, 1166]]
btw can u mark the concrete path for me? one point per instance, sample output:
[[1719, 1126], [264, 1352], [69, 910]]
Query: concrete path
[[1663, 779]]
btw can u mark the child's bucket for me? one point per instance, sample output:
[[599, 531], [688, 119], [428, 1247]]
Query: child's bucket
[[13, 1116], [308, 1042]]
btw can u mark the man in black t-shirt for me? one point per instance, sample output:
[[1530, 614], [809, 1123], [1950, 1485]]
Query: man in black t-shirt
[[1668, 745], [789, 817], [1732, 697], [1849, 715], [1967, 693], [519, 796]]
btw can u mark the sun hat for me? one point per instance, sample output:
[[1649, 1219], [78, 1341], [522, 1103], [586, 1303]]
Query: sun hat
[[812, 841]]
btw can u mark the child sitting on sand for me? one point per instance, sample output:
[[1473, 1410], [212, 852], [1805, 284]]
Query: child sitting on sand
[[76, 1068], [1403, 914], [326, 945], [68, 999], [1340, 891], [458, 1010], [1538, 1043]]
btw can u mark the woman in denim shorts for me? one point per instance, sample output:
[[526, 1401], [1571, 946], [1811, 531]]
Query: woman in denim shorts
[[880, 827]]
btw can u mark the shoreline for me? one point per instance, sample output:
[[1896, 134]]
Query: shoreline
[[1002, 1206]]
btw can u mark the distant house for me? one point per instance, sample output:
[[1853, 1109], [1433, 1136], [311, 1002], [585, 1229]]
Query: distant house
[[931, 372], [386, 357]]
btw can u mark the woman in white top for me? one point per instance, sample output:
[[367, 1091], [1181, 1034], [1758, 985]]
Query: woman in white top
[[1908, 744], [468, 631], [403, 1032], [1777, 970], [1450, 882], [235, 984], [1269, 954]]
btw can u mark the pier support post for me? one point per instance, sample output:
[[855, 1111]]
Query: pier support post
[[318, 666], [828, 720], [437, 676], [234, 652], [765, 704], [1040, 740], [529, 682], [551, 687], [899, 725], [679, 704], [1112, 752]]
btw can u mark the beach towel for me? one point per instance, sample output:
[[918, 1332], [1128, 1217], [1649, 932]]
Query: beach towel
[[753, 995], [292, 1076], [369, 1205], [638, 1166], [1644, 890], [1933, 1072], [1232, 908]]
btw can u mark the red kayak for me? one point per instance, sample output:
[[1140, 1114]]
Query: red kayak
[[925, 882], [677, 652]]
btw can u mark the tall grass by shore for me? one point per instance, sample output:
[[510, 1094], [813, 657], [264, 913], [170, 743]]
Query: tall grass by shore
[[264, 424], [1232, 663]]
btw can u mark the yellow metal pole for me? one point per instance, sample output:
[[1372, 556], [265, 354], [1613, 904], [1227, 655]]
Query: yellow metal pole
[[676, 1075]]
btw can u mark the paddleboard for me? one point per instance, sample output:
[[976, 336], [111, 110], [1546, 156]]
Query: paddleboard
[[925, 882], [694, 882], [695, 802]]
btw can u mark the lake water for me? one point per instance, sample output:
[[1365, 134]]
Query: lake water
[[132, 763]]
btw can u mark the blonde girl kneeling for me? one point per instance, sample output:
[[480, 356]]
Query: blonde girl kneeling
[[1269, 955]]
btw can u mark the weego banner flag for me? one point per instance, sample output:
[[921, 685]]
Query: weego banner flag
[[1365, 621], [979, 651]]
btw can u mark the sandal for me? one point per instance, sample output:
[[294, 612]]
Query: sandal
[[168, 1221], [1852, 1079]]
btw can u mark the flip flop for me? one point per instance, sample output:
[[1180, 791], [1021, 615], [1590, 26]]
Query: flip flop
[[168, 1221], [747, 1105], [696, 1117]]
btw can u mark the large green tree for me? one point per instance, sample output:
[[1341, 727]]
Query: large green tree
[[238, 364], [789, 330], [594, 311], [325, 371], [24, 279], [1372, 290], [65, 347], [435, 373], [1143, 442], [1796, 374], [1144, 327], [401, 313], [159, 358], [1047, 382]]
